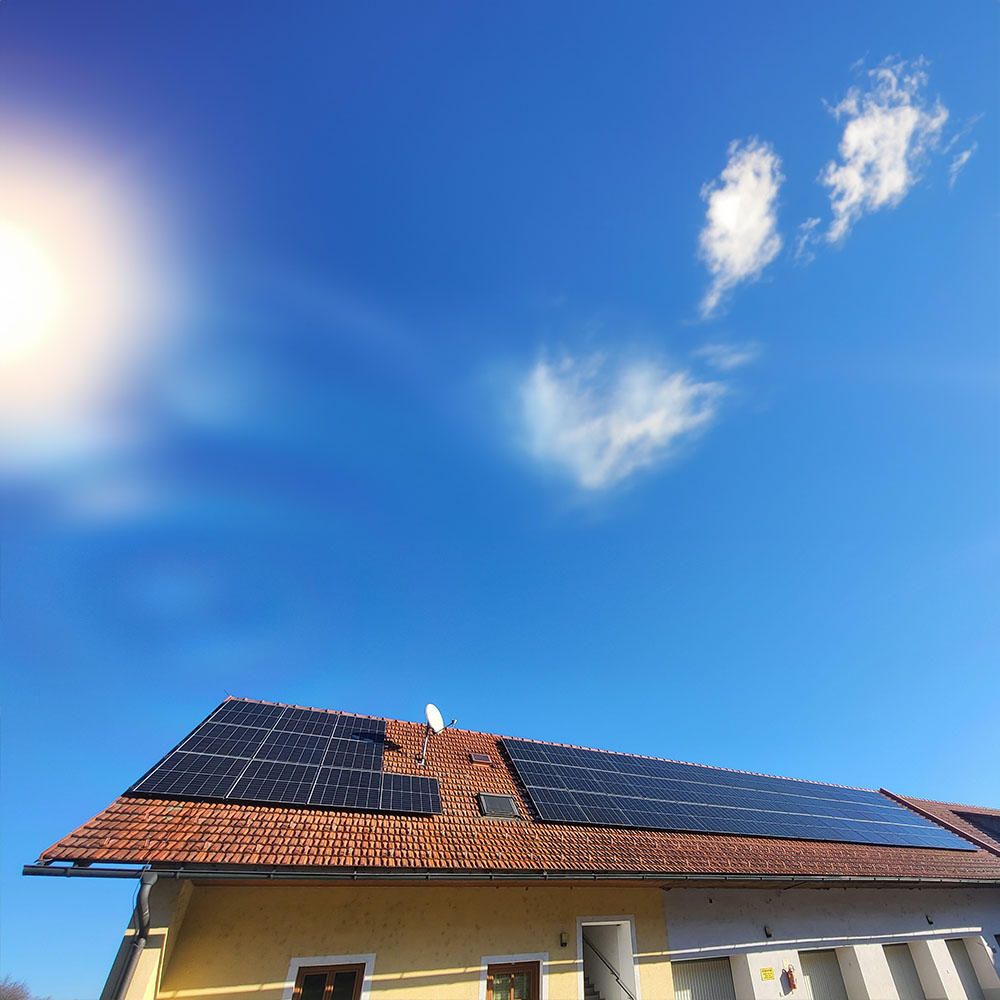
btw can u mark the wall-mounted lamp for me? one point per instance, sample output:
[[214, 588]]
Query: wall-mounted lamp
[[563, 940], [929, 920], [767, 931]]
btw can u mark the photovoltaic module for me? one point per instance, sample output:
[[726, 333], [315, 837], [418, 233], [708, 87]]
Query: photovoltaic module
[[251, 752], [597, 787]]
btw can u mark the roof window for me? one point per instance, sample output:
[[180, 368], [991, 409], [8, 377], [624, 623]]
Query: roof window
[[498, 806]]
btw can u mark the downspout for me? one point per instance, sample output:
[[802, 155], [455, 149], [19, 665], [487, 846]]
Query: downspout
[[140, 938]]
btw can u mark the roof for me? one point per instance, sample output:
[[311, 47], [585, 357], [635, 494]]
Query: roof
[[974, 823], [176, 832]]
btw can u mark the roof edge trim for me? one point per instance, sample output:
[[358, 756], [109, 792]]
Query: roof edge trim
[[264, 873]]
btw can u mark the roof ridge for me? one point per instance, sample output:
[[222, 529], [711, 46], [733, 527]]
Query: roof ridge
[[954, 806], [693, 763], [309, 708], [572, 746]]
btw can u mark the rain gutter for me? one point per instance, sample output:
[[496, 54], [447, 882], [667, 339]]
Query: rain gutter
[[274, 874]]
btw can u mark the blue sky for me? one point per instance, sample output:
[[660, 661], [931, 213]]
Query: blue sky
[[620, 376]]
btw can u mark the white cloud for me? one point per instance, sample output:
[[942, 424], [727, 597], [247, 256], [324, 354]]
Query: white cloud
[[958, 162], [728, 357], [740, 236], [804, 240], [602, 423], [889, 130]]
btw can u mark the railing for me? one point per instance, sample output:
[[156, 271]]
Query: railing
[[587, 943]]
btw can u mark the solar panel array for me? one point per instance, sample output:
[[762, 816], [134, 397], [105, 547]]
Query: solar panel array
[[250, 752], [597, 787]]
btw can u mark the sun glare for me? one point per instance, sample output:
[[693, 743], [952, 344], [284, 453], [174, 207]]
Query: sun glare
[[32, 293], [76, 305]]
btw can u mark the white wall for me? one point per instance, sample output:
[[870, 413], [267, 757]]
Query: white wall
[[711, 923]]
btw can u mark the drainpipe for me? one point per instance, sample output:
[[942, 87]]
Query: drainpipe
[[140, 938]]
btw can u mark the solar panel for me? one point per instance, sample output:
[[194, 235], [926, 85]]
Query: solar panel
[[249, 752], [597, 787]]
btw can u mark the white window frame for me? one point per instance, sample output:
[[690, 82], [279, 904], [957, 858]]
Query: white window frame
[[542, 957], [297, 964]]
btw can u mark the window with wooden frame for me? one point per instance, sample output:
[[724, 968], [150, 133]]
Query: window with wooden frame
[[329, 982], [518, 981]]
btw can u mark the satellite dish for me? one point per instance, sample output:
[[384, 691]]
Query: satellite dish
[[434, 719], [435, 725]]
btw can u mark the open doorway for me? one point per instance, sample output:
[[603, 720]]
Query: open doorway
[[607, 950]]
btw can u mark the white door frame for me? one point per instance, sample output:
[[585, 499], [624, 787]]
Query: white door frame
[[582, 922]]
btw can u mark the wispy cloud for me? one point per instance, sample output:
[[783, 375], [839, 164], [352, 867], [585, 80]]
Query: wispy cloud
[[728, 357], [959, 162], [804, 240], [740, 237], [601, 423], [890, 127]]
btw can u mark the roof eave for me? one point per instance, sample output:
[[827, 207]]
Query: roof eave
[[665, 879]]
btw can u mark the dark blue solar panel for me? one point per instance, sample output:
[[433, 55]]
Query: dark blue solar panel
[[249, 752], [409, 793], [294, 748], [571, 785], [348, 789]]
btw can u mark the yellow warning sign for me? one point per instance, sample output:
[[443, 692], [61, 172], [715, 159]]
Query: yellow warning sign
[[767, 973]]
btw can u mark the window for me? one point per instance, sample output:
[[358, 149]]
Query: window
[[498, 805], [329, 982], [512, 982]]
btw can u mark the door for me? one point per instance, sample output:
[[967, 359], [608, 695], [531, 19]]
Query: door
[[512, 982]]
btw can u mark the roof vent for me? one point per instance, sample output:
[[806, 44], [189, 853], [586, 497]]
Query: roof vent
[[500, 806], [480, 758]]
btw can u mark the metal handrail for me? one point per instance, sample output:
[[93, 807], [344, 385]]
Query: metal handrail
[[614, 972]]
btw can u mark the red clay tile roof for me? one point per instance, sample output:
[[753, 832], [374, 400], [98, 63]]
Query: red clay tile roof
[[953, 815], [166, 832]]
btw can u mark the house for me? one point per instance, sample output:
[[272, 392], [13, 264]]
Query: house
[[297, 854]]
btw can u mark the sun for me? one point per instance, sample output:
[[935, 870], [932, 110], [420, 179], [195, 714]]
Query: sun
[[32, 293], [77, 298]]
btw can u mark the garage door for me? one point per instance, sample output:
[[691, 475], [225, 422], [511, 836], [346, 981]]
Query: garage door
[[904, 972], [821, 978], [966, 971], [708, 979]]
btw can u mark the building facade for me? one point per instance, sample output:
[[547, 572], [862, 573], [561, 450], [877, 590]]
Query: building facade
[[477, 902]]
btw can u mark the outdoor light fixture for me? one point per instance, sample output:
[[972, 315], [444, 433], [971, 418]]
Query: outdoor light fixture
[[767, 931], [563, 940]]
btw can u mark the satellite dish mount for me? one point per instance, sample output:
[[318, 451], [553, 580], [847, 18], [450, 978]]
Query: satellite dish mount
[[435, 725]]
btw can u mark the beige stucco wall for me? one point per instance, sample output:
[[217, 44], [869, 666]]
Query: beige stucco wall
[[428, 941]]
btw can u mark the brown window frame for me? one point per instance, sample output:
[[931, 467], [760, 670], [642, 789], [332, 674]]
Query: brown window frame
[[313, 970], [532, 967]]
